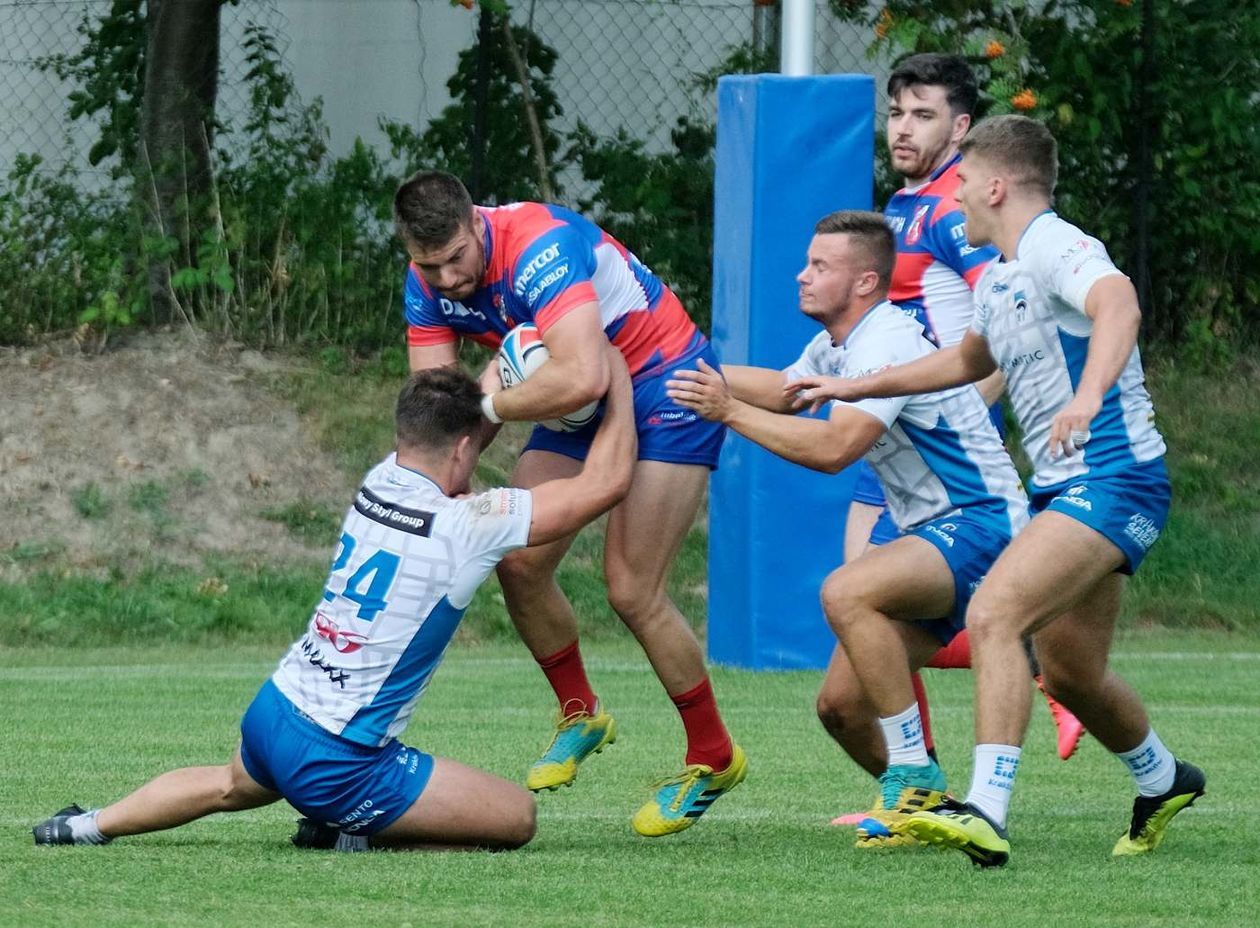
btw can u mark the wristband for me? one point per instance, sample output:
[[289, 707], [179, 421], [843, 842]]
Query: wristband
[[487, 409]]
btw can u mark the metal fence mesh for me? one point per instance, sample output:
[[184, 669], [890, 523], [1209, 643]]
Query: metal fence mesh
[[622, 64]]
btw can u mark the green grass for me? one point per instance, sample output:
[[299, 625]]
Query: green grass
[[89, 725]]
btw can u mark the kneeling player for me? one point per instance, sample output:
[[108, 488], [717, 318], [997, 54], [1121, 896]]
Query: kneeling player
[[951, 487], [322, 732]]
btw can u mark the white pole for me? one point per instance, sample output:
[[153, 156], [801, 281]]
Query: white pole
[[796, 53]]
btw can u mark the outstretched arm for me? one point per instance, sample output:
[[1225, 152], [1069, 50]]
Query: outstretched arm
[[966, 362], [828, 446]]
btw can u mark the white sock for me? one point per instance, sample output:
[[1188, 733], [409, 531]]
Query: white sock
[[1151, 764], [84, 828], [992, 779], [351, 843], [903, 733]]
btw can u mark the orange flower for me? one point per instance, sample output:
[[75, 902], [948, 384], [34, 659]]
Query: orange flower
[[1124, 2], [994, 49], [884, 24], [467, 4], [1024, 100]]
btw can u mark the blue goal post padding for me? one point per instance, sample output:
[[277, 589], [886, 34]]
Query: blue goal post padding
[[789, 151]]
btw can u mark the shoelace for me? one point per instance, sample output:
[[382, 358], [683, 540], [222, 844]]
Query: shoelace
[[691, 774]]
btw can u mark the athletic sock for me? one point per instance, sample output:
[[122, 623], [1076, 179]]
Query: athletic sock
[[84, 830], [567, 676], [992, 779], [351, 843], [1151, 764], [925, 714], [708, 741], [903, 733]]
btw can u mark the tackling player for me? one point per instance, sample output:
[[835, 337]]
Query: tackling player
[[323, 731], [953, 494], [476, 272], [1061, 322], [932, 100]]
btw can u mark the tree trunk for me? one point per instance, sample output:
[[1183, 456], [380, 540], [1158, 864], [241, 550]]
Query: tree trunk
[[176, 129]]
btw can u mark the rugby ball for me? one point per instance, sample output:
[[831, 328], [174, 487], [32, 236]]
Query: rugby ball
[[523, 352]]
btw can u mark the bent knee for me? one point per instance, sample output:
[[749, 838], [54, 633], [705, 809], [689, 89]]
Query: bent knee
[[633, 599], [523, 825], [842, 596], [838, 711]]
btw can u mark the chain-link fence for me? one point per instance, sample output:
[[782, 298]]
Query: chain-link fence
[[633, 65], [35, 102]]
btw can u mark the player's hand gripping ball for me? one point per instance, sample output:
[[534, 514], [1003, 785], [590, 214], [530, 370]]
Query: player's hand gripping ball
[[522, 353]]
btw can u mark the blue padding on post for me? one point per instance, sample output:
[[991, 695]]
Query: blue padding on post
[[789, 151]]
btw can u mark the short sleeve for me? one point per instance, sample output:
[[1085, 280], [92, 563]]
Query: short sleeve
[[426, 323], [1075, 267], [500, 519], [555, 274], [980, 318]]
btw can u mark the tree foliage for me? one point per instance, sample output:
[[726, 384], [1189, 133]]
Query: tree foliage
[[1169, 129]]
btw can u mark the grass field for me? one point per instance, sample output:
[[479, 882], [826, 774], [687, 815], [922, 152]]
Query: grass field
[[89, 724]]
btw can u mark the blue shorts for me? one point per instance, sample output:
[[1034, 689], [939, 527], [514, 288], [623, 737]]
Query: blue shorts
[[970, 541], [1128, 509], [667, 432], [867, 489], [359, 789]]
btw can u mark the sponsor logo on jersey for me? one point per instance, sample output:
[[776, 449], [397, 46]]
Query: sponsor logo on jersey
[[915, 232], [343, 642], [1021, 306], [536, 264], [457, 309], [315, 657], [412, 521], [553, 276], [1022, 360], [671, 417], [1001, 287], [896, 223]]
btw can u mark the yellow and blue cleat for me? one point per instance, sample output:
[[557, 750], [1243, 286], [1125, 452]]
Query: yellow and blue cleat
[[903, 790], [578, 736], [1151, 814], [682, 799], [961, 826]]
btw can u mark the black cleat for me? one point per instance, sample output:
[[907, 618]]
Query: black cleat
[[314, 835], [1151, 814], [56, 829]]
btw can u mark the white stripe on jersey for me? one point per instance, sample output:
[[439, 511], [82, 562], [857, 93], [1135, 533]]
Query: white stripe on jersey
[[1032, 311], [618, 290], [408, 563], [947, 303], [941, 452]]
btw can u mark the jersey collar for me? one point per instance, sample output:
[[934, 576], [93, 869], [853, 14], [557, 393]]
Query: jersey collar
[[861, 322], [1028, 228], [393, 459]]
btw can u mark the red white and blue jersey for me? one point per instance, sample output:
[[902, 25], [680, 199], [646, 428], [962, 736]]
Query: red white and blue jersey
[[543, 261], [409, 560], [936, 270]]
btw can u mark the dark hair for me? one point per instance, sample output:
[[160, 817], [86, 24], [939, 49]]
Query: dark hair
[[871, 232], [430, 207], [435, 407], [934, 70], [1020, 145]]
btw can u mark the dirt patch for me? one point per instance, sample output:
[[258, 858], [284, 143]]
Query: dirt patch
[[169, 448]]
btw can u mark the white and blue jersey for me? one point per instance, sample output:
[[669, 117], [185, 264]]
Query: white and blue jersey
[[407, 565], [941, 453], [1032, 312]]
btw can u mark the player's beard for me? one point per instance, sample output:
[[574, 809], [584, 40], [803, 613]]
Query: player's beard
[[924, 163]]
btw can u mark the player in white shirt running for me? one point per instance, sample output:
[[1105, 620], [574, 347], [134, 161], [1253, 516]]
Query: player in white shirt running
[[1061, 322], [414, 547], [952, 491]]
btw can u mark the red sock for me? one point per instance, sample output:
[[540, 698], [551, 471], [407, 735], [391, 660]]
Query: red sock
[[954, 656], [708, 741], [567, 676], [920, 696]]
